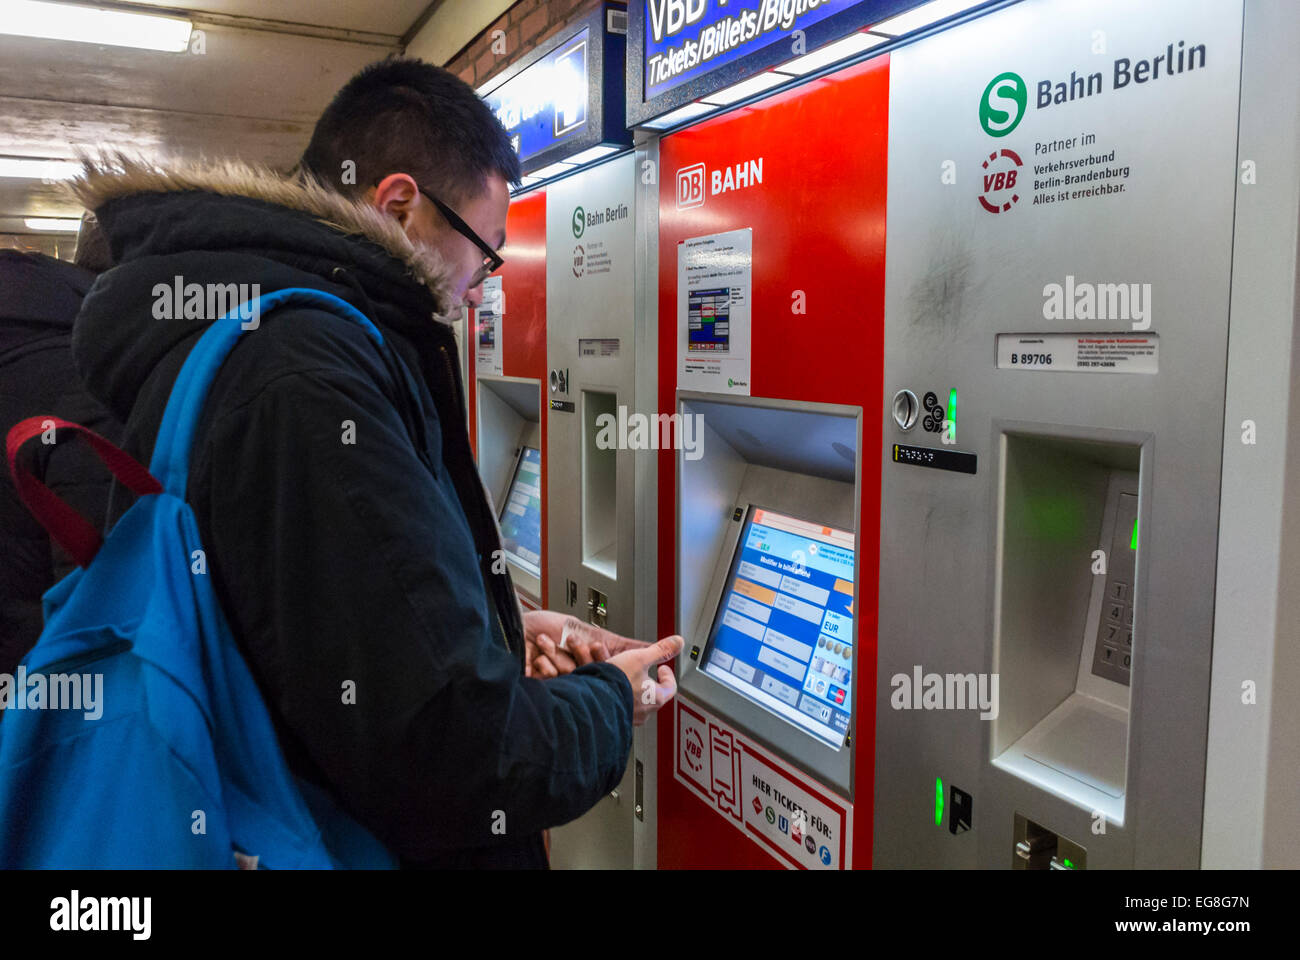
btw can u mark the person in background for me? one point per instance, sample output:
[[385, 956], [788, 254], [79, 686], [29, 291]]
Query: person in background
[[39, 299], [347, 532]]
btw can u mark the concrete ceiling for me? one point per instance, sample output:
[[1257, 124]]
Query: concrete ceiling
[[392, 17], [269, 68]]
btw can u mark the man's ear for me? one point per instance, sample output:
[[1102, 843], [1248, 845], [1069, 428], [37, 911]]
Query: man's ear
[[396, 196]]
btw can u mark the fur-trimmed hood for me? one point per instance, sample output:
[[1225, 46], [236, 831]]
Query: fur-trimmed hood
[[213, 225], [111, 177]]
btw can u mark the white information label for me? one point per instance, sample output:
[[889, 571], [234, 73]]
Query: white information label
[[714, 289], [1080, 352], [487, 333]]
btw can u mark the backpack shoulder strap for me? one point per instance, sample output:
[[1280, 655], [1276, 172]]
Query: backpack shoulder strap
[[171, 455], [68, 528]]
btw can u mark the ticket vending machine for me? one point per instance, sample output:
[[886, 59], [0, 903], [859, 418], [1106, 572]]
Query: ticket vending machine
[[507, 353], [771, 300], [556, 347], [600, 555], [1083, 647]]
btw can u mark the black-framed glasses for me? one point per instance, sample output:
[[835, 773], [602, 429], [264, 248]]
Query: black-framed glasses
[[491, 259]]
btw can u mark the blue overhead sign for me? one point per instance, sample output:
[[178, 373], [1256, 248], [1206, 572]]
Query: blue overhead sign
[[680, 51], [566, 98], [546, 104], [685, 39]]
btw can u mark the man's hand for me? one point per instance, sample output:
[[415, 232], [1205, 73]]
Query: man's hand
[[557, 643], [543, 629], [653, 681]]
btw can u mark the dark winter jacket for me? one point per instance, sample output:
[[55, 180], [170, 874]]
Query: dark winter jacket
[[39, 297], [347, 531]]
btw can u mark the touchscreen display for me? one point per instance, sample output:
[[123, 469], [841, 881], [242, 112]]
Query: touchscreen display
[[521, 519], [783, 632]]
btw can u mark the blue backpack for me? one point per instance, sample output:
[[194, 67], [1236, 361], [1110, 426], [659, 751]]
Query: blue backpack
[[134, 734]]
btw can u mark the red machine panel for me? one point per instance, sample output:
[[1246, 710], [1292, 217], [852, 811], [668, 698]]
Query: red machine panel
[[817, 210], [523, 325]]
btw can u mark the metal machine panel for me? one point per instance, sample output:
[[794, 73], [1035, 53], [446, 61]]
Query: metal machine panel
[[1038, 158], [1253, 761], [591, 340]]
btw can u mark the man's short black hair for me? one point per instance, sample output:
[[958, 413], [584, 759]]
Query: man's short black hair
[[402, 115]]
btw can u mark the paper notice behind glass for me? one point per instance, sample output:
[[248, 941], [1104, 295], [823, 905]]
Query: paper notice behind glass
[[714, 294], [487, 333]]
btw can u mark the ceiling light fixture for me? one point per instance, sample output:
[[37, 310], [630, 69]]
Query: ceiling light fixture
[[115, 28], [53, 224], [37, 168]]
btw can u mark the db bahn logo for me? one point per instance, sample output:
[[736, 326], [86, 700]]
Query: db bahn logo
[[690, 186], [1000, 172]]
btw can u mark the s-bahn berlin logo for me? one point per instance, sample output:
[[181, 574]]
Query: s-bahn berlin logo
[[1000, 172], [1002, 107]]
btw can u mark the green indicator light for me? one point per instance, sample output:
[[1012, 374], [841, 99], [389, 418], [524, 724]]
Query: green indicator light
[[1133, 544], [938, 801], [1069, 864], [952, 411]]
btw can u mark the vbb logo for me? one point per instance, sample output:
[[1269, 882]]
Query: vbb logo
[[1001, 170], [693, 750], [690, 186]]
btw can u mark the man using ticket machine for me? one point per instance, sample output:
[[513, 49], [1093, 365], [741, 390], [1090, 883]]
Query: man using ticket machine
[[359, 570]]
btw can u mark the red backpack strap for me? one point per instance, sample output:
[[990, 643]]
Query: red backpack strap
[[69, 529]]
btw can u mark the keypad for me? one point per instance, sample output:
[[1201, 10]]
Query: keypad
[[1113, 656]]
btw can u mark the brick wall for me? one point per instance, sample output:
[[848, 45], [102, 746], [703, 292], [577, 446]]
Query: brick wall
[[526, 25]]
